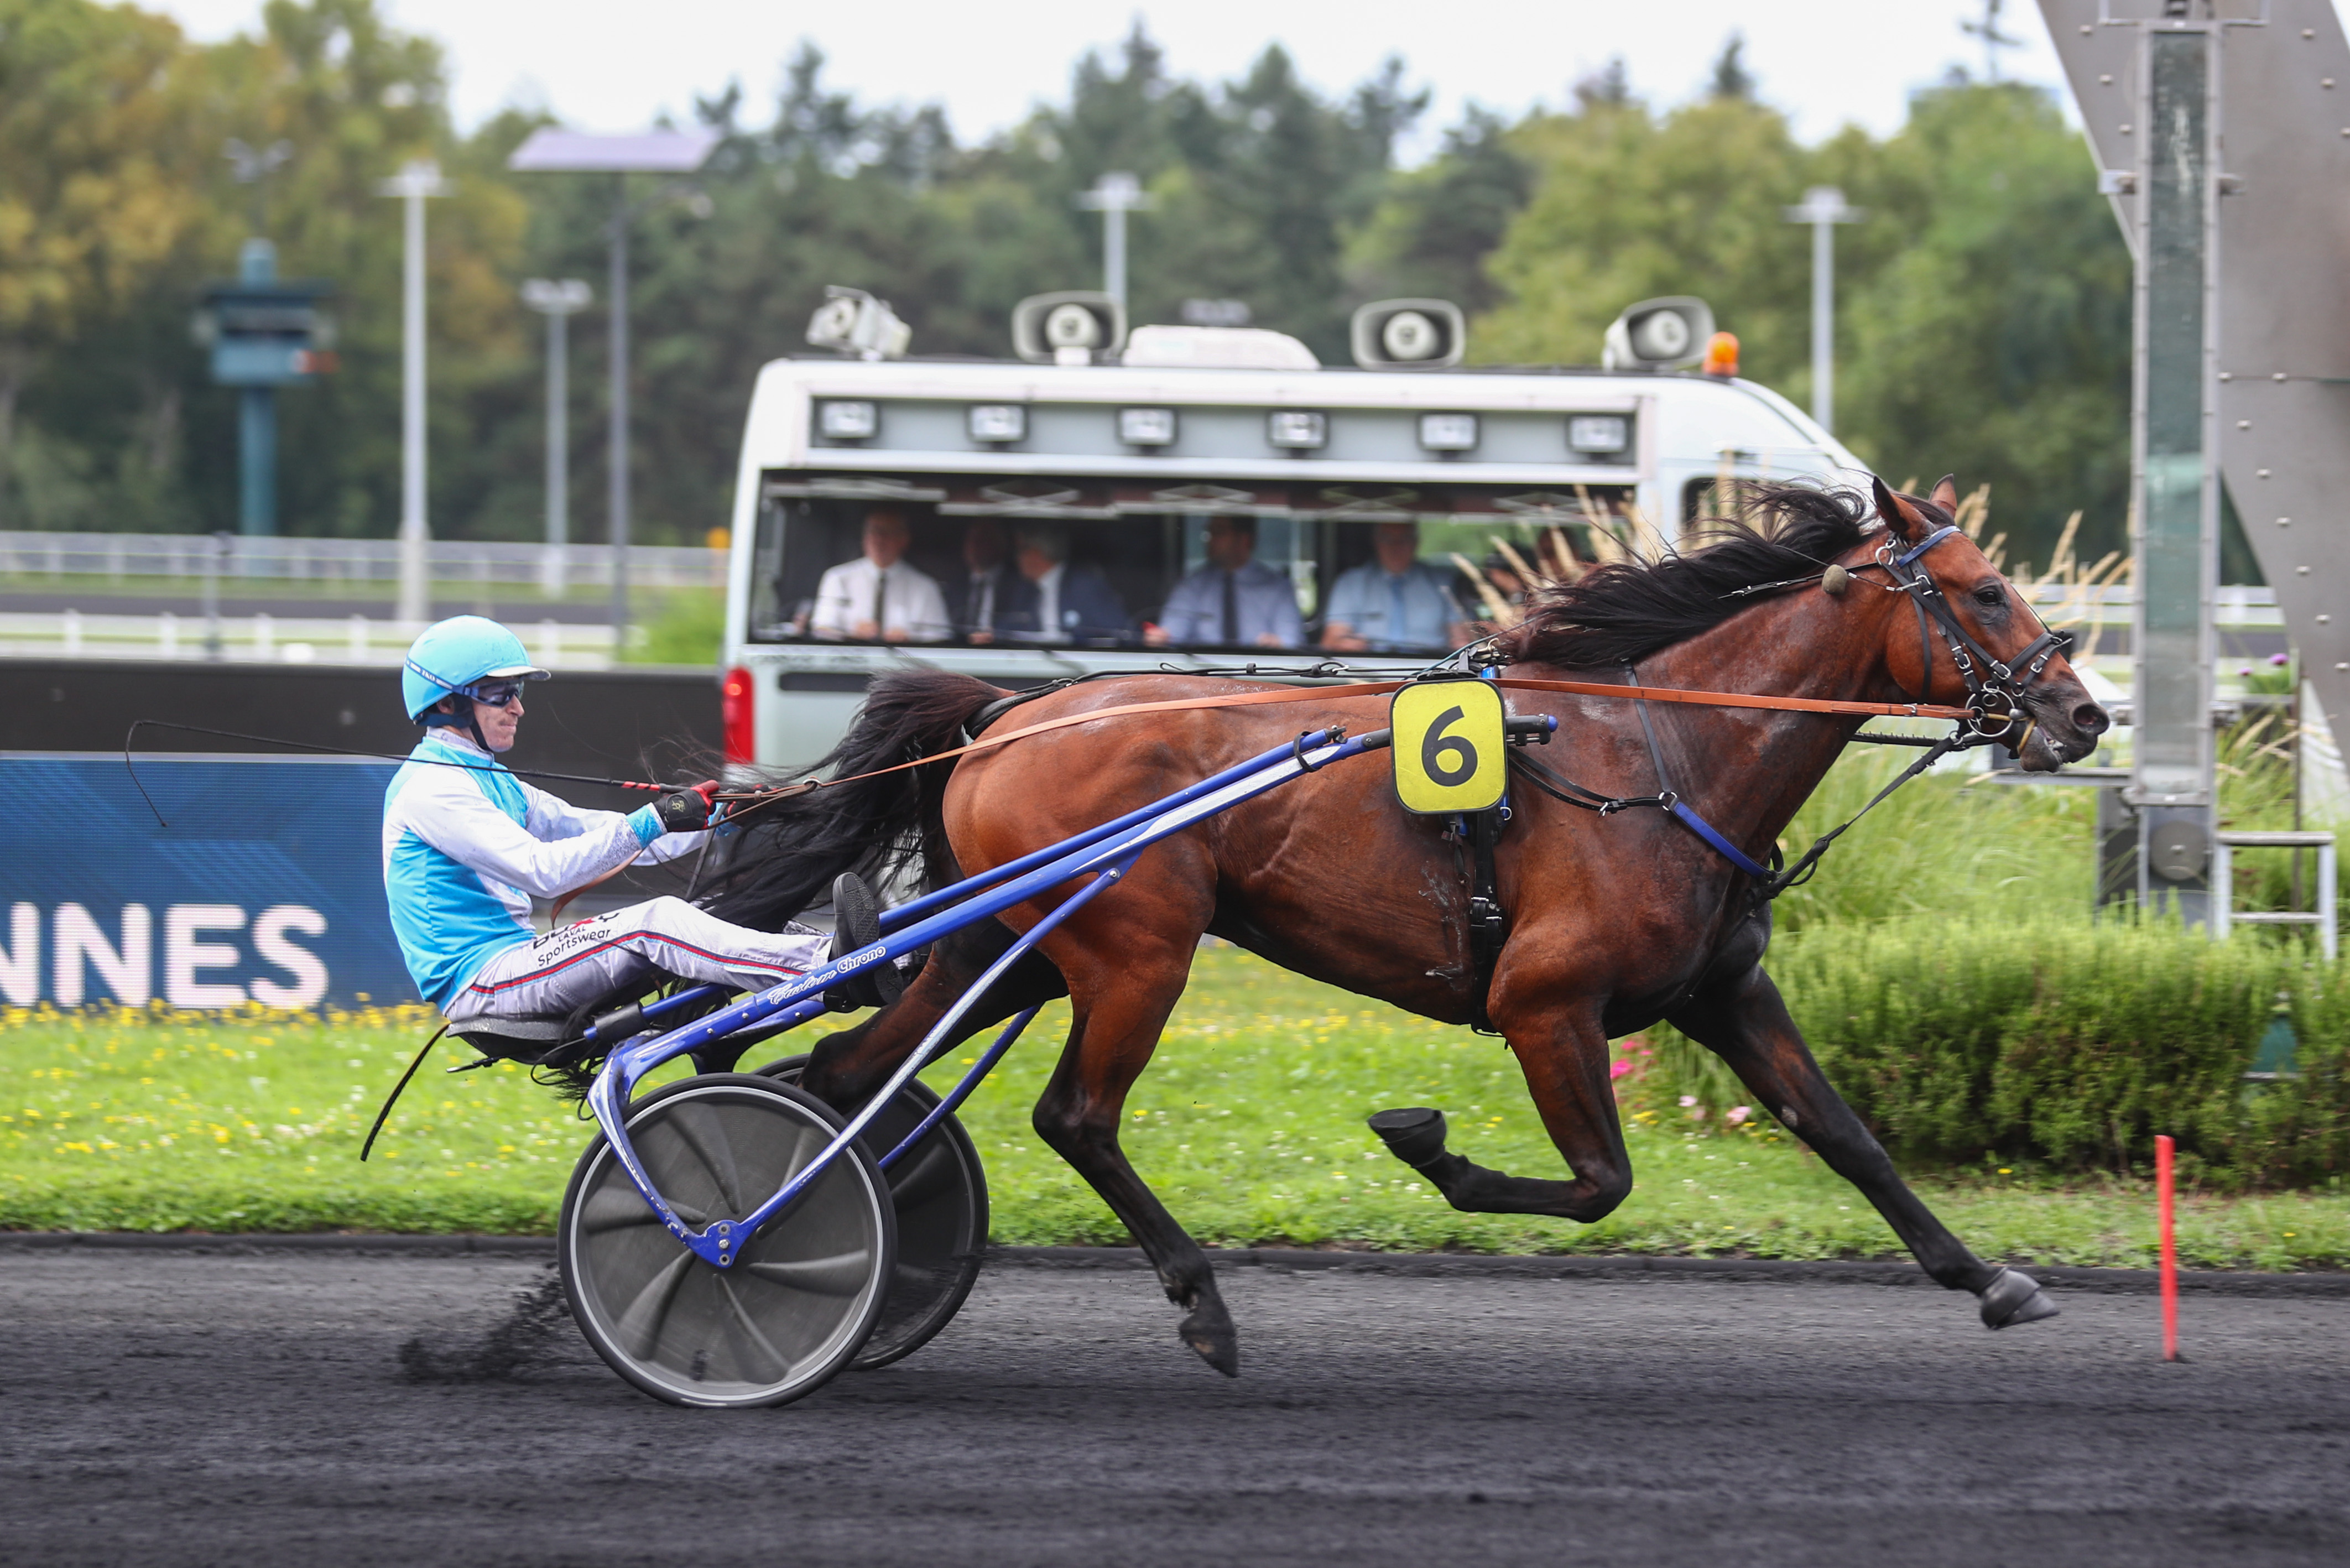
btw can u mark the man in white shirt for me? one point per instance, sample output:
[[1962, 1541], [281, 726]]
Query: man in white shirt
[[878, 597]]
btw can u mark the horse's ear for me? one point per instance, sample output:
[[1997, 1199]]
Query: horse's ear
[[1898, 516], [1946, 494]]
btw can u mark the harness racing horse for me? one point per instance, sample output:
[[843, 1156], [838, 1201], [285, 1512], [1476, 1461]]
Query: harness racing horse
[[1615, 920]]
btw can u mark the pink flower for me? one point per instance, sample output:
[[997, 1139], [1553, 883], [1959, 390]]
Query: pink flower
[[1687, 1100], [1620, 1067], [1737, 1115], [2279, 660]]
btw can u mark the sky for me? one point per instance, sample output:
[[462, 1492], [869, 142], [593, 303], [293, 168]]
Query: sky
[[606, 65]]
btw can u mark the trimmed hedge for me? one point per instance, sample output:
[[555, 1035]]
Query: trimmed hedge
[[2071, 1046]]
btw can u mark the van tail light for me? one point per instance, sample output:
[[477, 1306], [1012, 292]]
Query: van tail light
[[738, 713]]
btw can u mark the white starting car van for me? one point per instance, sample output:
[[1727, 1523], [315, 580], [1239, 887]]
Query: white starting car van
[[1053, 514]]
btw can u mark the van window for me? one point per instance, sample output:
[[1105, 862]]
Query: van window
[[1039, 562]]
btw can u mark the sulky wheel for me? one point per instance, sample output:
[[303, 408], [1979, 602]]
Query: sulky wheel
[[940, 1194], [802, 1295]]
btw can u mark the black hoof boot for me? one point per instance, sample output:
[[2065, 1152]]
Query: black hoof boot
[[1209, 1332], [2013, 1298], [1414, 1136], [856, 925]]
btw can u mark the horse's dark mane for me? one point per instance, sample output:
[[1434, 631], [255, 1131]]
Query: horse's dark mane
[[1629, 609]]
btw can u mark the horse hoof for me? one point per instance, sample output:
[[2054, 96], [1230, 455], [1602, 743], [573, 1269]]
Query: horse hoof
[[2013, 1298], [1414, 1136], [1210, 1337]]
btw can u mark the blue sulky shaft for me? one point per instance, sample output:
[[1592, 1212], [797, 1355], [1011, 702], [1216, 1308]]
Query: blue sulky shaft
[[892, 918], [1104, 853]]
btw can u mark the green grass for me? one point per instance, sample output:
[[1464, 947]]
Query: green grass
[[682, 625], [1249, 1124]]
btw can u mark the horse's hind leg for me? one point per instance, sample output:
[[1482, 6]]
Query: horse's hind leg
[[1743, 1021], [1122, 1002], [847, 1067]]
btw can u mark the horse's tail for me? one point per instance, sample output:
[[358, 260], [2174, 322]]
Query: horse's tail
[[788, 853]]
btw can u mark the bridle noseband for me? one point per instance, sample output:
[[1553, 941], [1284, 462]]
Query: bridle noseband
[[1995, 700]]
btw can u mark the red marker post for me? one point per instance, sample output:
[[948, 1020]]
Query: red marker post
[[2162, 1210]]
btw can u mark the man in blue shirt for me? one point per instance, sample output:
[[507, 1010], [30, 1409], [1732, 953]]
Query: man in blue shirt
[[1395, 602], [467, 845], [1233, 601]]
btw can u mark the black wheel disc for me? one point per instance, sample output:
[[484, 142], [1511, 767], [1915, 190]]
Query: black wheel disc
[[803, 1293], [940, 1193]]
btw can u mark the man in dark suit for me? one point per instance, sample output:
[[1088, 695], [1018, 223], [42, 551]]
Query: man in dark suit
[[1054, 601], [990, 584]]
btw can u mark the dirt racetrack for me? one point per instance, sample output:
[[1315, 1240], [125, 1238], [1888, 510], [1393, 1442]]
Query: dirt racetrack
[[174, 1406]]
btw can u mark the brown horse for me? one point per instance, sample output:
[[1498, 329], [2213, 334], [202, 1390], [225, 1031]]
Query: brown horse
[[1615, 921]]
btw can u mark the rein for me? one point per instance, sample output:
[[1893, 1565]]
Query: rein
[[1383, 688]]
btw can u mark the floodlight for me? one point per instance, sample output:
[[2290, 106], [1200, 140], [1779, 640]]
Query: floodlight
[[848, 419], [994, 423], [1447, 432], [1598, 433], [1295, 429], [1146, 427]]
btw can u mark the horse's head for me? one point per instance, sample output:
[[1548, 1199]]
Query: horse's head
[[1972, 639]]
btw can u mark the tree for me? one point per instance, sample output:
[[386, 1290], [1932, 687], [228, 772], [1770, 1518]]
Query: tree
[[1731, 77], [1627, 207], [1993, 336], [1434, 228], [93, 178]]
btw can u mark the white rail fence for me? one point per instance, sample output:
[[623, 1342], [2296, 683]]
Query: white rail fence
[[273, 639], [114, 558]]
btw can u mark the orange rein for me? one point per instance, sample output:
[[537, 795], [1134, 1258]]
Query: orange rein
[[1380, 688]]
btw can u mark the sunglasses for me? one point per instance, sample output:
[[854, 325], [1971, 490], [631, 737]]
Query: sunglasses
[[497, 693]]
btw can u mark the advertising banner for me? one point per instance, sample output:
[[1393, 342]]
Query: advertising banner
[[266, 886]]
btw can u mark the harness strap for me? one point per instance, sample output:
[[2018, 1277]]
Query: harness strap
[[1801, 871], [1489, 924], [1680, 809]]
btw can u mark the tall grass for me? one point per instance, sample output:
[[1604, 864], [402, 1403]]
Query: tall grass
[[1949, 845]]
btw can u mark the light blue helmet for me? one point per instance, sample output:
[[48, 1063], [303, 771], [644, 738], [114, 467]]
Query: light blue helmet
[[456, 655]]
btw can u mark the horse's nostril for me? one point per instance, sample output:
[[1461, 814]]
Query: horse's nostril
[[2091, 719]]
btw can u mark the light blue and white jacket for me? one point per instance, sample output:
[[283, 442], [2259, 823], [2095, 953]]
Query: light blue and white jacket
[[466, 848]]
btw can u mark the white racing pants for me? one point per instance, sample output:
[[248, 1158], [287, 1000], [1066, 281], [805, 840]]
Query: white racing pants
[[554, 975]]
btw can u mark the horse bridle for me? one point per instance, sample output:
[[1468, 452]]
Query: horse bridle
[[1994, 701]]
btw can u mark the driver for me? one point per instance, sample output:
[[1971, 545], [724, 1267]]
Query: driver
[[466, 847]]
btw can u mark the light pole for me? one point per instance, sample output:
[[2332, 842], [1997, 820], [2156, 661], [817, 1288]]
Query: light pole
[[412, 184], [1824, 208], [552, 152], [558, 302], [1114, 196]]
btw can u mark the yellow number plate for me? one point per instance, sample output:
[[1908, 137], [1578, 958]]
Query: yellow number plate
[[1447, 746]]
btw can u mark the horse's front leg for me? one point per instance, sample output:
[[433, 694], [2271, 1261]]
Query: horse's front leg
[[1563, 1052], [1743, 1021]]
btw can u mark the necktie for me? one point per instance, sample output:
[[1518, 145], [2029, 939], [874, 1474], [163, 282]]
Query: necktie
[[881, 600], [1396, 639], [1231, 608], [983, 596]]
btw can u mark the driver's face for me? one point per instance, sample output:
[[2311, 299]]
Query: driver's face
[[498, 725]]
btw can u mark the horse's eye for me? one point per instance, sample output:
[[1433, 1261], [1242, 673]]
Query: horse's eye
[[1990, 596]]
